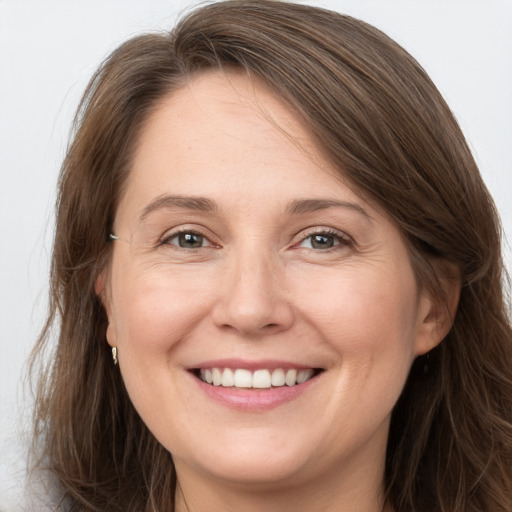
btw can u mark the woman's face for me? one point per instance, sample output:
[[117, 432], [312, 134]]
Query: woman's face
[[244, 259]]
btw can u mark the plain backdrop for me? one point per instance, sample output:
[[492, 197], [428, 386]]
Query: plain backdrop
[[50, 48]]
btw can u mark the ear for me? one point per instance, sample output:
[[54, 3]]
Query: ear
[[99, 285], [436, 313], [101, 290]]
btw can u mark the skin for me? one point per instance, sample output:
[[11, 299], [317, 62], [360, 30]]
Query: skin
[[259, 289]]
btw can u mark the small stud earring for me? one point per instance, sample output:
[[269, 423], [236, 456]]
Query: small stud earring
[[114, 355]]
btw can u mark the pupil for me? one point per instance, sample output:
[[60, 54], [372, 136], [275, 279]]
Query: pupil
[[322, 242], [190, 240]]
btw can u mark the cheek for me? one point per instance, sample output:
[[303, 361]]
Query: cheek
[[153, 311], [154, 317], [368, 316]]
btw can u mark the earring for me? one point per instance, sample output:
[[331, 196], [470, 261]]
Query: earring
[[114, 355]]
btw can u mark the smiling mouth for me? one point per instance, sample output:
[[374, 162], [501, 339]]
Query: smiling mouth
[[258, 379]]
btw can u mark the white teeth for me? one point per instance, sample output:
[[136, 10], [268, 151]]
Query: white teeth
[[278, 378], [243, 378], [259, 379], [304, 375], [228, 378], [291, 377], [216, 377]]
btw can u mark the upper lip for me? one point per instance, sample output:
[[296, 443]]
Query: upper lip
[[269, 364]]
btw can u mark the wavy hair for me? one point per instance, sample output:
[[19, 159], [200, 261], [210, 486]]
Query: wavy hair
[[376, 115]]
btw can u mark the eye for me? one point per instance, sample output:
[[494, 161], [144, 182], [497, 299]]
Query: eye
[[187, 240], [324, 240]]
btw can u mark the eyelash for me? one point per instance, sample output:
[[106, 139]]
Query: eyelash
[[167, 239], [341, 239]]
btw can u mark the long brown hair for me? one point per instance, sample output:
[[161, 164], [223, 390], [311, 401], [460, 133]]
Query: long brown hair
[[379, 119]]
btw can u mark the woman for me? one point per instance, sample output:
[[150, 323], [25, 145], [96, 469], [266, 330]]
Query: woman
[[277, 274]]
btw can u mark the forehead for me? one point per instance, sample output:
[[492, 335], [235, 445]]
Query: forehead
[[223, 134], [215, 104]]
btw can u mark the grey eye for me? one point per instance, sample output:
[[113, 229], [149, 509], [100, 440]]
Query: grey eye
[[188, 240], [322, 241]]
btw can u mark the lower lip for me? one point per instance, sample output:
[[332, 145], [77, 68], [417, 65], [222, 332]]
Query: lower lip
[[254, 399]]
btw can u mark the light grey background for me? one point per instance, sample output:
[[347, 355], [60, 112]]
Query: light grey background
[[50, 48]]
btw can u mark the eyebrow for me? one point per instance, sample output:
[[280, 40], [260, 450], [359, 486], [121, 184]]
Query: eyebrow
[[202, 204], [299, 206]]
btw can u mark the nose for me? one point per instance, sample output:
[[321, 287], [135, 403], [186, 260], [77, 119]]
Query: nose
[[253, 300]]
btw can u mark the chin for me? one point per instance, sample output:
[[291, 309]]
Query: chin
[[263, 471], [259, 463]]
